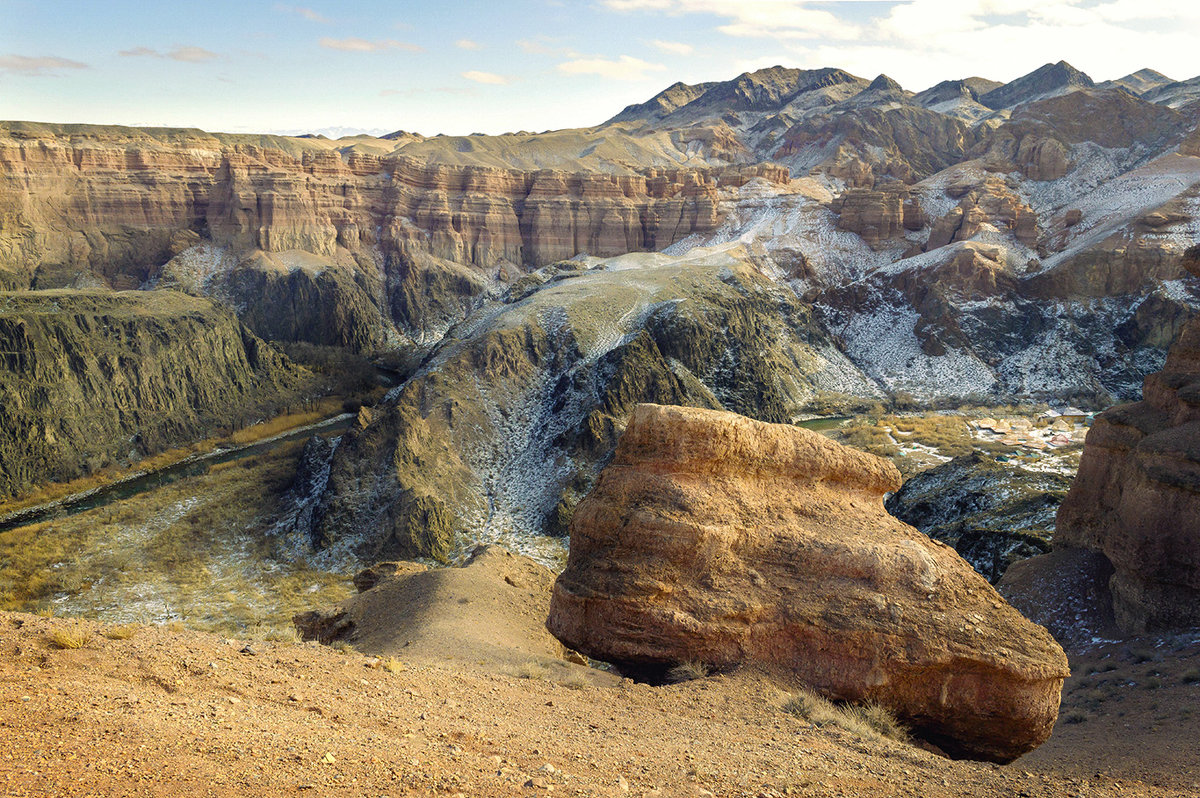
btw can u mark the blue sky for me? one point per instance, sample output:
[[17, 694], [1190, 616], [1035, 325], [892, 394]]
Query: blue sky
[[461, 67]]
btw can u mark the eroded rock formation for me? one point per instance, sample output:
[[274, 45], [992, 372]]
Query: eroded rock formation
[[716, 538], [92, 379], [118, 203], [1136, 498], [509, 421]]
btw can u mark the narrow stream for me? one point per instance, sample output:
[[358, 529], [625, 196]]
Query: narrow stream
[[137, 483]]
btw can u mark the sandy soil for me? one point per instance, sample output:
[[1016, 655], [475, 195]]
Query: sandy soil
[[176, 712]]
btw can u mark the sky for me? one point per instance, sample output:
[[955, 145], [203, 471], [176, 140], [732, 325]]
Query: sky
[[439, 66]]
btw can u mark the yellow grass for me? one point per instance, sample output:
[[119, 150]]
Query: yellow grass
[[70, 637], [322, 409], [121, 632]]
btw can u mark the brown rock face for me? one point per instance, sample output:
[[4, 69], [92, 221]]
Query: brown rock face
[[716, 538], [1136, 498], [119, 202], [990, 202], [880, 217]]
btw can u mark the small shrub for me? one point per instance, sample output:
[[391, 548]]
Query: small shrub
[[1075, 716], [866, 720], [342, 647], [532, 670], [686, 672], [1191, 676], [1153, 683], [393, 665], [879, 719], [71, 637], [122, 632], [282, 636]]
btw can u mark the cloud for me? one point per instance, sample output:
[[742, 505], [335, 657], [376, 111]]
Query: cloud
[[624, 68], [467, 44], [781, 19], [307, 13], [674, 48], [491, 78], [192, 54], [356, 45], [189, 54], [37, 65], [639, 5]]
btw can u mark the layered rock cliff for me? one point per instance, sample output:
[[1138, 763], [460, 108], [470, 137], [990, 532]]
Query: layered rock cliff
[[85, 205], [93, 379], [1136, 499], [714, 538]]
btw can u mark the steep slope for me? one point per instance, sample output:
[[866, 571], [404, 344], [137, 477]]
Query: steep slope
[[1042, 82], [92, 379], [504, 428], [219, 215]]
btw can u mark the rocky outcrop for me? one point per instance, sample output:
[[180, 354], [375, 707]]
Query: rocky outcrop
[[508, 422], [118, 203], [992, 515], [715, 538], [879, 217], [988, 202], [1136, 498], [905, 143], [93, 379]]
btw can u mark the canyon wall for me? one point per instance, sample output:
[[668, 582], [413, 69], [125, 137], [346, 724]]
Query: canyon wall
[[91, 379], [117, 203]]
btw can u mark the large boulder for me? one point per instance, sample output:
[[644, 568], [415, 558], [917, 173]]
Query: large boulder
[[715, 538], [1136, 498]]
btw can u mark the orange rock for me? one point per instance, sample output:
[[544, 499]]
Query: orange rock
[[716, 538]]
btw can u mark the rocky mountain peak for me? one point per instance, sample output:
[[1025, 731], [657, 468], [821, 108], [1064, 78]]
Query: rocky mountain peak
[[1141, 81], [1044, 80], [884, 83]]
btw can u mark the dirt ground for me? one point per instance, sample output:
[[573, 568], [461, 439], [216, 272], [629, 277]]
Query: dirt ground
[[175, 712]]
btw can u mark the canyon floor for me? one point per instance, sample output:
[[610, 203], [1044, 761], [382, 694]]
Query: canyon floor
[[168, 711]]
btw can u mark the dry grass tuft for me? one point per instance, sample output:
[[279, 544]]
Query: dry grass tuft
[[70, 637], [531, 670], [122, 632], [393, 665], [289, 635], [869, 720], [687, 672]]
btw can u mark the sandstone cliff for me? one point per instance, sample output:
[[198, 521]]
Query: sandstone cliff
[[714, 538], [1136, 498], [86, 205], [92, 379]]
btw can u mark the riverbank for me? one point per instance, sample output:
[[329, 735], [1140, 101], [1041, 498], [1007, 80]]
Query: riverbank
[[19, 508]]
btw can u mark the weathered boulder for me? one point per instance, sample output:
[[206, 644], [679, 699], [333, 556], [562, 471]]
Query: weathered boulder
[[716, 538], [1136, 498]]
